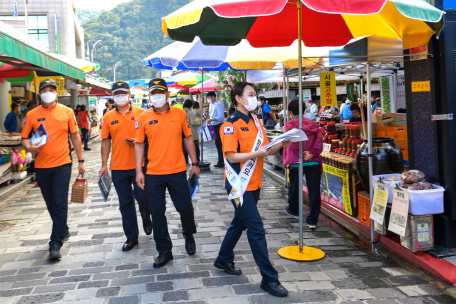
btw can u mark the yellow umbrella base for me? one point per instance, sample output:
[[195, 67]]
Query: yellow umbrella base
[[307, 254]]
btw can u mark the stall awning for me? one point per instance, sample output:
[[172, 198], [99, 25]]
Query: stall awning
[[15, 52]]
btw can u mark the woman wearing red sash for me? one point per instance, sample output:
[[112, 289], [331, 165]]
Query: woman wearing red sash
[[243, 142]]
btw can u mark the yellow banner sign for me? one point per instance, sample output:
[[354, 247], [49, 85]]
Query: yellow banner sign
[[335, 188], [59, 80], [328, 93], [421, 86]]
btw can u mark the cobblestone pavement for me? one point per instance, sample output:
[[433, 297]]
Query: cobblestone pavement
[[95, 270]]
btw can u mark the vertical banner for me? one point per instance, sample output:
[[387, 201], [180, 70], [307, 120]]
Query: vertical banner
[[399, 212], [15, 9], [385, 93], [400, 92], [56, 30], [380, 200], [328, 89]]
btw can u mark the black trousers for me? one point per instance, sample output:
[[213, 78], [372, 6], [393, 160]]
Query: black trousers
[[197, 148], [85, 137], [125, 183], [218, 144], [177, 186], [313, 177], [247, 217], [54, 184]]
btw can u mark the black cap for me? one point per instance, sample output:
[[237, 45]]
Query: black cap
[[48, 82], [158, 84], [120, 86]]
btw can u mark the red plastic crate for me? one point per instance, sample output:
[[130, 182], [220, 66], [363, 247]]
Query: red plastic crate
[[364, 208]]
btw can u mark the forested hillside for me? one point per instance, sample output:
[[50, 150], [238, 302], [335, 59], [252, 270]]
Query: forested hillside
[[129, 33]]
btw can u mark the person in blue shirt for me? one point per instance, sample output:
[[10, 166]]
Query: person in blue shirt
[[217, 118], [145, 104], [269, 119], [377, 104], [12, 121], [346, 113]]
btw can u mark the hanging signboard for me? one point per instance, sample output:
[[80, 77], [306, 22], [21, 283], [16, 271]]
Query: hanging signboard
[[58, 80], [419, 53], [380, 200], [399, 212], [328, 89], [421, 86]]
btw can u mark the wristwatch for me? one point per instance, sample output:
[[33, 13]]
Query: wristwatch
[[80, 160], [197, 164]]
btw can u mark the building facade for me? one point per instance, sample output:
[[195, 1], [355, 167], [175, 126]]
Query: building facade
[[54, 23]]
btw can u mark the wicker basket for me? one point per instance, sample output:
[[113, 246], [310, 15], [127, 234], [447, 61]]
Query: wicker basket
[[79, 191]]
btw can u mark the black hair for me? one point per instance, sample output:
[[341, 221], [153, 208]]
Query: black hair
[[262, 98], [210, 94], [31, 103], [196, 105], [145, 100], [78, 106], [231, 111], [13, 105], [294, 107], [238, 90], [111, 101], [355, 107], [83, 107], [188, 103]]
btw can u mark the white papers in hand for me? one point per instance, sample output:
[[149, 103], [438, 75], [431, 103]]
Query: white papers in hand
[[40, 137], [295, 135]]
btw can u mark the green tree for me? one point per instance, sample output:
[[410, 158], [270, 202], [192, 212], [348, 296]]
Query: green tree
[[129, 32]]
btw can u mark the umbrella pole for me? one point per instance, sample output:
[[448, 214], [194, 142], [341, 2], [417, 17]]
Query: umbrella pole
[[245, 75], [300, 253], [201, 115], [369, 148], [285, 107]]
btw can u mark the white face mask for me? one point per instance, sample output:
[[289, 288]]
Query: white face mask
[[259, 103], [158, 100], [252, 105], [121, 100], [48, 97]]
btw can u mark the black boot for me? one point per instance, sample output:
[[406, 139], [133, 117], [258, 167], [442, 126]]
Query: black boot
[[54, 252], [190, 245]]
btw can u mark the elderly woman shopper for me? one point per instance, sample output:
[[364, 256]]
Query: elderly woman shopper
[[312, 149], [191, 118]]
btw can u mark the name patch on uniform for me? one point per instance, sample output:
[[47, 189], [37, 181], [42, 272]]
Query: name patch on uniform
[[42, 119], [136, 124], [114, 122], [153, 122], [228, 130], [244, 129]]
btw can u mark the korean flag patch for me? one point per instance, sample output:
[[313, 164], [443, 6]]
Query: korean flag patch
[[136, 124], [228, 130]]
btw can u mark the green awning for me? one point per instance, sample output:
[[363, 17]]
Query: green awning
[[18, 50]]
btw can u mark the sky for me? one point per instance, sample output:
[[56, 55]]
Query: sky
[[98, 4]]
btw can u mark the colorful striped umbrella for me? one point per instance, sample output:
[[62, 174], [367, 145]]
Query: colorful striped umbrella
[[196, 55], [207, 86], [185, 79], [267, 23]]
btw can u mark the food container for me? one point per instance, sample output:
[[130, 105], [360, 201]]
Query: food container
[[355, 143], [349, 146], [331, 128], [326, 139], [419, 234], [355, 132], [348, 131], [391, 185], [424, 202]]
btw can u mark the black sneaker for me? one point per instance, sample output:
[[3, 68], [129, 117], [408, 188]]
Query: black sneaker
[[287, 210], [54, 252], [87, 149]]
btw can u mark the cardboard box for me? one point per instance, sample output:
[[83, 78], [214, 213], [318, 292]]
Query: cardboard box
[[386, 120], [17, 92]]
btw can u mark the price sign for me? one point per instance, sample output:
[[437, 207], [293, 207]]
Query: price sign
[[326, 147], [399, 212], [380, 200]]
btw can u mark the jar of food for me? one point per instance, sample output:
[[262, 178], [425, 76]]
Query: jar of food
[[334, 144], [331, 128], [349, 145], [348, 131], [355, 143], [355, 132], [349, 166], [326, 139]]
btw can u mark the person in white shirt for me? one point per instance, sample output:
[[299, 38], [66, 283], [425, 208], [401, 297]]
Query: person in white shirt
[[217, 118], [313, 109]]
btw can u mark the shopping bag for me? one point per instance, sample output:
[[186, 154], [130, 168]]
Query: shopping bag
[[79, 190], [206, 134], [214, 134]]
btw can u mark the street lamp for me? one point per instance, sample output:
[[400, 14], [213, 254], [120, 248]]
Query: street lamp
[[115, 70], [93, 48]]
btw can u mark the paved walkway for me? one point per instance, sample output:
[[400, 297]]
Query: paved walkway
[[95, 270]]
